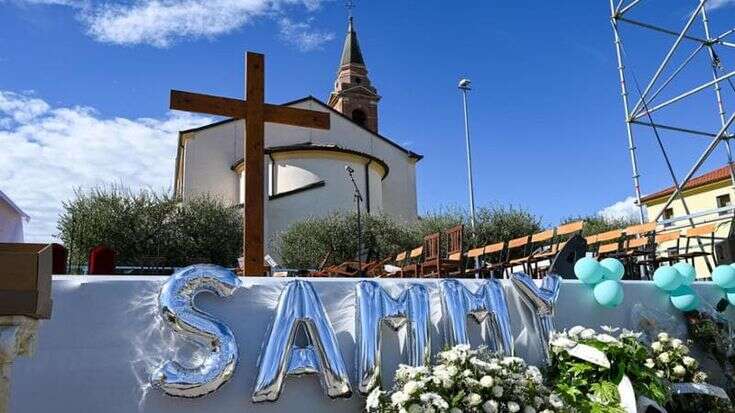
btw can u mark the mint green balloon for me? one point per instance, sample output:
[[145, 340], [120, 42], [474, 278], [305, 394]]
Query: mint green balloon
[[608, 293], [730, 294], [684, 298], [687, 271], [588, 270], [615, 269], [667, 278], [724, 276]]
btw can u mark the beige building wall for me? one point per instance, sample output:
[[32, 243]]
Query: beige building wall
[[699, 199]]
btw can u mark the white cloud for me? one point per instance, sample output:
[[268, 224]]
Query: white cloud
[[716, 4], [161, 23], [48, 151], [625, 209], [303, 35]]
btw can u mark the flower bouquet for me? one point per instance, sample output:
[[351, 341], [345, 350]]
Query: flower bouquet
[[465, 380], [587, 368]]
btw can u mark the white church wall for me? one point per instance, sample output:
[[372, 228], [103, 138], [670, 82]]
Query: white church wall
[[210, 154]]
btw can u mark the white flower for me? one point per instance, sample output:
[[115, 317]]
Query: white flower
[[513, 407], [656, 346], [659, 374], [412, 387], [675, 343], [606, 338], [663, 337], [684, 350], [562, 342], [486, 381], [555, 401], [452, 370], [587, 333], [679, 370], [473, 399], [689, 361], [664, 357], [398, 398], [529, 409], [373, 399], [455, 410], [415, 408], [574, 331], [650, 363], [700, 377], [498, 391], [490, 406], [627, 333]]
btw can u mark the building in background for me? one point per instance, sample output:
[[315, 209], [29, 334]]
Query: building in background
[[708, 197], [11, 220], [305, 168]]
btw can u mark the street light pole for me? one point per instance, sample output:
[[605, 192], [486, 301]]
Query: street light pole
[[464, 86]]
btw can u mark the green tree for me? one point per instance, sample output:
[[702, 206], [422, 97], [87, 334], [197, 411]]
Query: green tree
[[144, 224]]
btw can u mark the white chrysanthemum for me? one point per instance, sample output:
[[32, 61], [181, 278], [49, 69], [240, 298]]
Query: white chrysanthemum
[[664, 357], [513, 407], [650, 363], [490, 406], [398, 398], [412, 387], [575, 331], [473, 399], [606, 338], [487, 381], [529, 409], [663, 337], [415, 408], [689, 361], [676, 343], [679, 370], [587, 333], [497, 391], [656, 346], [373, 399]]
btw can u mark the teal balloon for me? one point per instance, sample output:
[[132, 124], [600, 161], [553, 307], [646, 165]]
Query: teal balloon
[[615, 269], [730, 294], [608, 293], [588, 270], [724, 276], [688, 274], [667, 278], [684, 298]]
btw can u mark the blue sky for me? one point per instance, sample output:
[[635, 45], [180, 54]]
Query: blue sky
[[84, 91]]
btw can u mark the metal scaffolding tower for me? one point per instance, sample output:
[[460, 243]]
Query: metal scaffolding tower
[[640, 115]]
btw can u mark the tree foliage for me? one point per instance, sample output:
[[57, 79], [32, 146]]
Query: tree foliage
[[333, 239], [147, 224]]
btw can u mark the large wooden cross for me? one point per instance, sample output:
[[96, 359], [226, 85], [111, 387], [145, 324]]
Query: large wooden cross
[[256, 113]]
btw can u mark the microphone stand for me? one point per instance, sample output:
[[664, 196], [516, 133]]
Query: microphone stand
[[358, 199]]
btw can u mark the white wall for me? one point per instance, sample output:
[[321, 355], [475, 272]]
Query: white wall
[[11, 224]]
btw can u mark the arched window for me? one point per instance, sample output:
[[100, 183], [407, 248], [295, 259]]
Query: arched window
[[359, 117]]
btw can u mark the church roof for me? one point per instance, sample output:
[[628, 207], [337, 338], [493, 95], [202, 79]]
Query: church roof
[[351, 53], [408, 152], [13, 206]]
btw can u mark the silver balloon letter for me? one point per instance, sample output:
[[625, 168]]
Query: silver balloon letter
[[541, 301], [176, 306], [299, 306], [375, 305], [488, 305]]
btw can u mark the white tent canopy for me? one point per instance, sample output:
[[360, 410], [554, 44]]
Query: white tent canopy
[[11, 220]]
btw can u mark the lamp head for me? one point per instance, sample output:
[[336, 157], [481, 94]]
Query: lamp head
[[464, 84]]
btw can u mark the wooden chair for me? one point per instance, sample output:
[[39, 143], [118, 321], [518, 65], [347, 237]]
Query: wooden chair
[[470, 257], [516, 247], [670, 255], [695, 234], [436, 265], [566, 231], [615, 236], [400, 261], [608, 249], [591, 243], [493, 262], [412, 267], [540, 243]]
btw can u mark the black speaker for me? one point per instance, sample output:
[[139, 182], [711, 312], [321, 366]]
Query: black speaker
[[725, 251], [564, 261]]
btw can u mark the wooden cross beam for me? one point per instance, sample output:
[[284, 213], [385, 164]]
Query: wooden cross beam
[[256, 113]]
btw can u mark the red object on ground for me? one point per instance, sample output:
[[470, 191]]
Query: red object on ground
[[101, 261], [58, 259]]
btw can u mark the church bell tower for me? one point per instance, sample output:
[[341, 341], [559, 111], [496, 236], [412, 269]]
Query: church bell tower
[[353, 95]]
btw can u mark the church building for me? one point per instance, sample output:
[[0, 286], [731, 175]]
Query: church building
[[306, 168]]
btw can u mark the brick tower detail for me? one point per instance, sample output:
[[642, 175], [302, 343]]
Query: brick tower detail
[[353, 94]]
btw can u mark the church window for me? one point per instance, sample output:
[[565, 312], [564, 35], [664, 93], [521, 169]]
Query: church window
[[359, 117], [358, 80]]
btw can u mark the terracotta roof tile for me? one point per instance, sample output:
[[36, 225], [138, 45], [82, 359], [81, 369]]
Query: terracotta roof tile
[[713, 176]]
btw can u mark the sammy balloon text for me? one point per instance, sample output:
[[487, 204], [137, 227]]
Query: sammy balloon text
[[299, 307]]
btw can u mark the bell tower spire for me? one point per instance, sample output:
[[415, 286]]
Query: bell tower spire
[[353, 94]]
